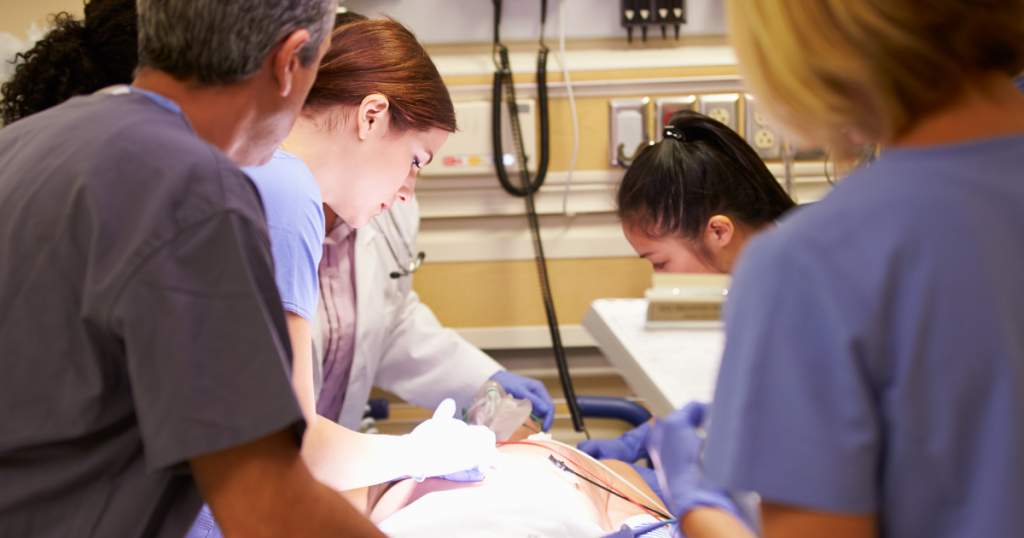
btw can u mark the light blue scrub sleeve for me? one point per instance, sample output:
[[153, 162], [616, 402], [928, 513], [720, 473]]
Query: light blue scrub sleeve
[[295, 218], [793, 417]]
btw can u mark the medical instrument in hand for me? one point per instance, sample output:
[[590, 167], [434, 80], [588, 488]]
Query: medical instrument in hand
[[526, 388], [404, 269], [500, 412], [503, 86], [561, 465], [676, 447]]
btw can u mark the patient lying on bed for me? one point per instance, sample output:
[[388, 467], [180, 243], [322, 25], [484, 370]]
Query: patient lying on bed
[[526, 495]]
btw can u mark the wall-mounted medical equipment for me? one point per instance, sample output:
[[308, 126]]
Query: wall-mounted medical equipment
[[628, 132], [644, 14], [665, 107], [470, 150], [760, 133], [723, 107]]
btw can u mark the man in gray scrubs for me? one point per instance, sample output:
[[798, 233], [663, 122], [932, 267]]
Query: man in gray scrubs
[[143, 347]]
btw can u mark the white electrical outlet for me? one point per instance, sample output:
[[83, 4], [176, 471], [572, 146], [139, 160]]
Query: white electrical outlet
[[759, 118], [765, 139], [720, 114], [760, 133], [721, 107]]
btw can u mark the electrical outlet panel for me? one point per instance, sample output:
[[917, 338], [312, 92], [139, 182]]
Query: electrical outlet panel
[[470, 150], [723, 107], [760, 133], [664, 107], [628, 130]]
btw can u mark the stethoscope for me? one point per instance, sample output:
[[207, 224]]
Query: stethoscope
[[404, 269]]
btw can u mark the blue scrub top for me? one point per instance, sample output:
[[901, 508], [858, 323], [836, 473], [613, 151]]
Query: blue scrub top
[[875, 349], [295, 217]]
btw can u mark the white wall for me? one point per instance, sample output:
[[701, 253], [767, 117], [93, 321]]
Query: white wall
[[471, 21]]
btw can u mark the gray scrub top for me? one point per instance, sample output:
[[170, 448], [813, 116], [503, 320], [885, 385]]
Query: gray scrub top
[[140, 325]]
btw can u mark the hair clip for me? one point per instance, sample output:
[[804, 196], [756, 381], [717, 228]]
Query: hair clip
[[672, 132]]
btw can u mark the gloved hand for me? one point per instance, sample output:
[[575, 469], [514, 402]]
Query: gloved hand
[[629, 447], [526, 388], [651, 477], [446, 447], [675, 449]]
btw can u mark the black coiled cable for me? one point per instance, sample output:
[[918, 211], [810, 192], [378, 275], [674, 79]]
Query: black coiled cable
[[504, 91]]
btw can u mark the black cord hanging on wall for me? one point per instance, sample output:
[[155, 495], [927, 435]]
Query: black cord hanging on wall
[[504, 92]]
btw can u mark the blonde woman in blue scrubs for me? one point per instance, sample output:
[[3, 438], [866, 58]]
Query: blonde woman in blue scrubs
[[873, 376]]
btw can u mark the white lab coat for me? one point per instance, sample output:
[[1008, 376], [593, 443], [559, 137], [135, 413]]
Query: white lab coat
[[400, 346]]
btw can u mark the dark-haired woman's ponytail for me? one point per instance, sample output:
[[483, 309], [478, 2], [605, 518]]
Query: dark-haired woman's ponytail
[[701, 168]]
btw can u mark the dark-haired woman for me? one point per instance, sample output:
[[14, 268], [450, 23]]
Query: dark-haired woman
[[689, 203], [77, 57]]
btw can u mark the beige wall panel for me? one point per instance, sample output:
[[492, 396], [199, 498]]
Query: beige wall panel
[[507, 293], [593, 117], [16, 16], [594, 131]]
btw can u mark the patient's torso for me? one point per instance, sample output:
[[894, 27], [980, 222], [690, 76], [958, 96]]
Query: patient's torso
[[525, 496]]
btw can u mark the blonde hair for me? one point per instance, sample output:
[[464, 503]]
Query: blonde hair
[[830, 68]]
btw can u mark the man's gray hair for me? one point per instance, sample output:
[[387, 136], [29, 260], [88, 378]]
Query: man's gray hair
[[213, 42]]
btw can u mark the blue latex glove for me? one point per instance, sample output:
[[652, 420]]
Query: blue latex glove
[[526, 388], [675, 449], [651, 477], [629, 447]]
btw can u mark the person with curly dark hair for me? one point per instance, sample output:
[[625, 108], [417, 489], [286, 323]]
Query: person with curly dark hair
[[77, 57]]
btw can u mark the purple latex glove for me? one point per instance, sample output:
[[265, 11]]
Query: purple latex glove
[[675, 449], [526, 388], [629, 447], [651, 477]]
